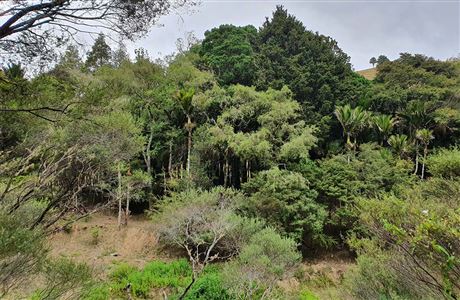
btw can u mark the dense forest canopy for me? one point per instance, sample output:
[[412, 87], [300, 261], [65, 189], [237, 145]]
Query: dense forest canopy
[[254, 148]]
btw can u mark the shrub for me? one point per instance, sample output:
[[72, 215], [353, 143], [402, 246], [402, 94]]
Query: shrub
[[22, 251], [339, 183], [209, 286], [154, 275], [284, 199], [65, 277], [98, 292], [444, 163], [174, 275], [95, 233], [262, 262], [204, 224], [307, 295], [418, 235], [372, 278], [372, 171]]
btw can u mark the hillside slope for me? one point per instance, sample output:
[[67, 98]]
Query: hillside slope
[[369, 74]]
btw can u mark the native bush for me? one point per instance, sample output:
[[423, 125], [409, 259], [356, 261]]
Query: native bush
[[444, 163], [267, 258], [419, 234], [285, 200]]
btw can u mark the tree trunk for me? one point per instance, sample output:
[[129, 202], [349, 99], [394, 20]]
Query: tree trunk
[[347, 144], [127, 212], [147, 157], [170, 159], [416, 158], [188, 287], [248, 172], [165, 182], [119, 192], [189, 145], [230, 173], [225, 168], [425, 152]]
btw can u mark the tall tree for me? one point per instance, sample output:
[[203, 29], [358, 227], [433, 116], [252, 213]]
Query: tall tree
[[120, 55], [228, 50], [71, 58], [99, 55], [381, 59], [373, 61], [310, 64], [185, 98]]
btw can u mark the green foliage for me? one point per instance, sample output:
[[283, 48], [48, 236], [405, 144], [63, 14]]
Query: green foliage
[[22, 250], [64, 278], [156, 274], [399, 144], [310, 64], [353, 120], [228, 50], [98, 292], [172, 276], [259, 106], [371, 278], [70, 59], [424, 136], [95, 233], [382, 59], [184, 98], [341, 182], [209, 286], [217, 230], [286, 201], [307, 295], [384, 124], [268, 257], [373, 61], [100, 54], [417, 234], [444, 163]]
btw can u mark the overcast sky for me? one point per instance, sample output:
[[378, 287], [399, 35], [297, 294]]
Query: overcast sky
[[362, 28]]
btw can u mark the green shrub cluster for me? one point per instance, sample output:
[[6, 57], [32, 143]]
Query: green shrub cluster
[[172, 277], [412, 247], [445, 163]]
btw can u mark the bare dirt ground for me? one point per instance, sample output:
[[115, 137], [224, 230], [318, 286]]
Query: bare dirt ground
[[136, 244], [98, 242]]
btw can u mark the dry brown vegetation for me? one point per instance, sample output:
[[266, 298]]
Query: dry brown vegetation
[[134, 244], [368, 73]]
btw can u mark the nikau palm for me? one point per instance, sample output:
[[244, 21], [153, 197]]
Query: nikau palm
[[353, 121], [384, 125], [424, 136], [399, 143], [185, 98]]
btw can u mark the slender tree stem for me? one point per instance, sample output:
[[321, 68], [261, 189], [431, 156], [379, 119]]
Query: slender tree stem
[[119, 196]]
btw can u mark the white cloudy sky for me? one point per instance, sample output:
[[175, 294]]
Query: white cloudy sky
[[362, 28]]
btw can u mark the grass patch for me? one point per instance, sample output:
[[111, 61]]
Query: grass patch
[[173, 276]]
